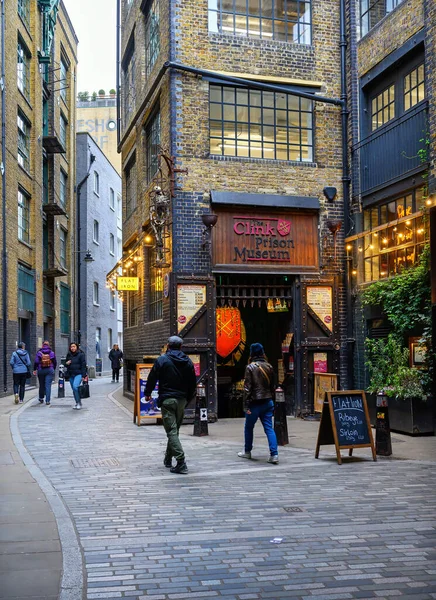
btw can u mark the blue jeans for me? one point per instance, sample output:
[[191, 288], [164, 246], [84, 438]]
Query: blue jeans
[[75, 381], [45, 378], [264, 412]]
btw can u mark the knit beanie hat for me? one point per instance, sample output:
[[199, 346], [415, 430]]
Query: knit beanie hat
[[256, 350]]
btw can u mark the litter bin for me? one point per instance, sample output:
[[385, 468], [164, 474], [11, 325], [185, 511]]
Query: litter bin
[[91, 372]]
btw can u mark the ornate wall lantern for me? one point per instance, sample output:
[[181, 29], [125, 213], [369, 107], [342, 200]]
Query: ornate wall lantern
[[160, 210]]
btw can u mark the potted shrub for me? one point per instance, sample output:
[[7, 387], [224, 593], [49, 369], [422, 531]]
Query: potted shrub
[[112, 93], [83, 96], [94, 96], [101, 93]]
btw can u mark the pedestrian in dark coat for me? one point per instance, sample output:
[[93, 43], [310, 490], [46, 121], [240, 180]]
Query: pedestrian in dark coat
[[116, 358], [76, 369], [177, 383], [44, 366], [20, 363]]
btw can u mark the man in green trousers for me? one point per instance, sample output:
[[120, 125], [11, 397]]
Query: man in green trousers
[[177, 383]]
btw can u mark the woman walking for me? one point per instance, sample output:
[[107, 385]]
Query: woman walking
[[76, 368], [20, 363], [44, 366], [116, 358], [258, 401]]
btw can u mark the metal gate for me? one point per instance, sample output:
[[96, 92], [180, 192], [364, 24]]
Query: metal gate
[[316, 332], [194, 320]]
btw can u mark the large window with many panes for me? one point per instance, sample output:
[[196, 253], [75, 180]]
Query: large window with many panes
[[130, 179], [23, 68], [152, 35], [258, 124], [63, 79], [24, 11], [23, 216], [23, 154], [63, 247], [152, 141], [395, 233], [129, 81], [156, 294], [373, 11], [283, 20], [26, 288], [65, 302]]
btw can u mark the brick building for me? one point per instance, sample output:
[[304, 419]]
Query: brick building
[[38, 175], [244, 123], [393, 142]]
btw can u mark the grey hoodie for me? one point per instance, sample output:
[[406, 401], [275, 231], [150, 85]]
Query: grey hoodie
[[16, 363]]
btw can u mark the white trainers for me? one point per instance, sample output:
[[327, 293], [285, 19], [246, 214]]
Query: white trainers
[[274, 459], [79, 406], [244, 454]]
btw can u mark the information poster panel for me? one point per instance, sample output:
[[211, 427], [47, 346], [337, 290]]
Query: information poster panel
[[323, 383], [190, 298], [320, 300], [143, 409]]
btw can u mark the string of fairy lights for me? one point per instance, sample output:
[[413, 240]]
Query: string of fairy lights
[[127, 266]]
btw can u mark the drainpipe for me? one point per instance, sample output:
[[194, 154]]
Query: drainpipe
[[3, 172], [79, 227], [346, 189], [118, 42]]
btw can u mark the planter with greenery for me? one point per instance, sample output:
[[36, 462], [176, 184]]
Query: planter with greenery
[[83, 96], [112, 92], [101, 93], [405, 300]]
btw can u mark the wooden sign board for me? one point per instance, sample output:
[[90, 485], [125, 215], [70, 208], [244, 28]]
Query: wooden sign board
[[345, 423], [144, 410], [322, 383]]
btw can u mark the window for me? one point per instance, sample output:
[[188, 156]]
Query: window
[[414, 87], [109, 339], [152, 36], [65, 309], [26, 289], [63, 125], [112, 199], [112, 244], [23, 216], [133, 301], [129, 81], [63, 80], [130, 175], [63, 188], [96, 183], [373, 11], [119, 248], [383, 107], [152, 141], [119, 210], [97, 342], [23, 141], [23, 69], [95, 295], [284, 20], [255, 124], [95, 232], [24, 11], [112, 299], [63, 247], [156, 294]]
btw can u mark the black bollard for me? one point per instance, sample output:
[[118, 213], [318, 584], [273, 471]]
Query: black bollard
[[383, 444], [200, 418], [280, 420], [61, 381]]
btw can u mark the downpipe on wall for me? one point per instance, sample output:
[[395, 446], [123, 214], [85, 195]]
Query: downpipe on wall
[[3, 174]]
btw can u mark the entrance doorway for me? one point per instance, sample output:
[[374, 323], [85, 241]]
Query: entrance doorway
[[253, 308], [24, 331]]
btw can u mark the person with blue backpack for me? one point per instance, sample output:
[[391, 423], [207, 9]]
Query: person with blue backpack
[[20, 363]]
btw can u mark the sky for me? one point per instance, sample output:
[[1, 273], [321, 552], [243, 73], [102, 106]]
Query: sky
[[94, 22]]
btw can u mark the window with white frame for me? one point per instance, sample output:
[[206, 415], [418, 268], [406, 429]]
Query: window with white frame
[[63, 247], [24, 11], [23, 154], [414, 87], [23, 216], [119, 248], [63, 187], [95, 294], [111, 198], [373, 11], [63, 127], [119, 210], [152, 141], [152, 35], [98, 342], [96, 183], [112, 299], [112, 244], [23, 68], [95, 232], [63, 79]]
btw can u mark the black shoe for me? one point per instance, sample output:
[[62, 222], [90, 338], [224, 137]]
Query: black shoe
[[180, 468], [168, 462]]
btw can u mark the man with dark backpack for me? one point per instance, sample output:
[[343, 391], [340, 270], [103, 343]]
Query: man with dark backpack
[[177, 383], [44, 366]]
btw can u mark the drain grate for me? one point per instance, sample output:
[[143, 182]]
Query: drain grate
[[83, 463], [293, 509]]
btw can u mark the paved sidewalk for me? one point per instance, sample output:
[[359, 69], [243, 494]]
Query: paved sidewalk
[[30, 550], [359, 530]]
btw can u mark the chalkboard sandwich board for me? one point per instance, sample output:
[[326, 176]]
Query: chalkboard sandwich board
[[345, 423]]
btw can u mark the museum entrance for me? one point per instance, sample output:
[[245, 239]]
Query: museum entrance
[[249, 309]]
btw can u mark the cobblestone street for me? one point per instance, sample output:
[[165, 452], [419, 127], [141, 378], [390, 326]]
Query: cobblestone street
[[360, 530]]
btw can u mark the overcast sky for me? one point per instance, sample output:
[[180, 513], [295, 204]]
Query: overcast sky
[[94, 22]]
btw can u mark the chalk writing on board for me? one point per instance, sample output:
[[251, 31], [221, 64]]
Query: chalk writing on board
[[350, 420]]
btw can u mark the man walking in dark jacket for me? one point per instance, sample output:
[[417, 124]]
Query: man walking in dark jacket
[[177, 382]]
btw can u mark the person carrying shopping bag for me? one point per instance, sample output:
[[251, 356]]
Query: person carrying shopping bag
[[44, 366], [20, 363], [76, 369]]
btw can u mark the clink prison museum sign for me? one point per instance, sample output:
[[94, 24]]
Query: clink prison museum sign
[[287, 241]]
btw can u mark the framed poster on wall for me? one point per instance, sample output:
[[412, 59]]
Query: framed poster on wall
[[320, 300], [190, 299]]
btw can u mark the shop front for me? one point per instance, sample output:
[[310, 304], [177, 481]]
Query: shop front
[[264, 286]]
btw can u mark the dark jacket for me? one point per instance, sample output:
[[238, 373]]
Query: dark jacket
[[176, 375], [44, 350], [115, 356], [78, 363], [259, 383], [18, 365]]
